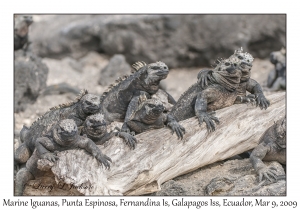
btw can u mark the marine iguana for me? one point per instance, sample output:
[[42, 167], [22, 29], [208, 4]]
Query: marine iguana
[[94, 127], [277, 77], [247, 84], [271, 147], [63, 136], [220, 92], [84, 105], [148, 115], [22, 23], [121, 99]]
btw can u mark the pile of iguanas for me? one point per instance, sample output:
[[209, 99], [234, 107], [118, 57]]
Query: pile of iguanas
[[137, 101]]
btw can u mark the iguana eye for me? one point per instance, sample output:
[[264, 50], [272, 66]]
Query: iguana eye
[[151, 105], [88, 103], [240, 57], [227, 64]]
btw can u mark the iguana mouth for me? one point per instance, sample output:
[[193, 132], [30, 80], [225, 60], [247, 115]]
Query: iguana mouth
[[245, 64], [158, 109]]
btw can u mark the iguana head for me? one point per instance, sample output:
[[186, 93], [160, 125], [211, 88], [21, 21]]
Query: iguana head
[[90, 104], [244, 63], [149, 109], [154, 74], [95, 125], [229, 65], [67, 130]]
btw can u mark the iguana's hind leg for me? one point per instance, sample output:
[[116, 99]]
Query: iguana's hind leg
[[22, 177]]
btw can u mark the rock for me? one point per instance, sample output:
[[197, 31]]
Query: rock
[[30, 78], [117, 67], [177, 40], [233, 177]]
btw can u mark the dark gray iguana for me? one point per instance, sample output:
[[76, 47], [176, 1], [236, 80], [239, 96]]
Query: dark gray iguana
[[95, 129], [271, 147], [84, 105], [277, 77], [121, 100], [62, 136], [22, 23], [246, 84], [149, 115], [220, 92]]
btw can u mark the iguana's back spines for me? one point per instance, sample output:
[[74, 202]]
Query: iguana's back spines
[[68, 104], [137, 67]]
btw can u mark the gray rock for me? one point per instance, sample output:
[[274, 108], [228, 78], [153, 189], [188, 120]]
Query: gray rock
[[117, 67], [177, 40], [30, 76], [233, 177]]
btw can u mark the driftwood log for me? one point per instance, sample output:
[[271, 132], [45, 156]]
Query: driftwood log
[[160, 156]]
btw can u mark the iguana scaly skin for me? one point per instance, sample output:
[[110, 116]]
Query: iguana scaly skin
[[197, 101], [84, 105], [121, 100], [149, 115], [277, 77], [22, 23], [62, 137], [271, 147], [95, 129], [247, 84]]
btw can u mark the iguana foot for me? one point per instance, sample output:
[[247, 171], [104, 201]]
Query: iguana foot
[[103, 159], [129, 139], [266, 172], [209, 119], [203, 77], [49, 156], [125, 128], [249, 99], [261, 101], [176, 127]]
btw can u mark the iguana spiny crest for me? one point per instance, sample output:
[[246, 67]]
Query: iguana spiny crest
[[149, 74]]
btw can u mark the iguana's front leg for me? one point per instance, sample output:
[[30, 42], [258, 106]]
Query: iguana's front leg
[[91, 147], [249, 99], [255, 88], [175, 126], [45, 148], [129, 139], [131, 108], [203, 98], [203, 77], [256, 159]]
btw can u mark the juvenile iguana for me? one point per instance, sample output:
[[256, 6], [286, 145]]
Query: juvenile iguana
[[220, 92], [63, 136], [94, 127], [271, 147], [246, 84], [84, 105], [22, 23], [121, 100]]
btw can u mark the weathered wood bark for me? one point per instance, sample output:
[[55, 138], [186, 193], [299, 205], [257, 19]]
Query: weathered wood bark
[[160, 156]]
